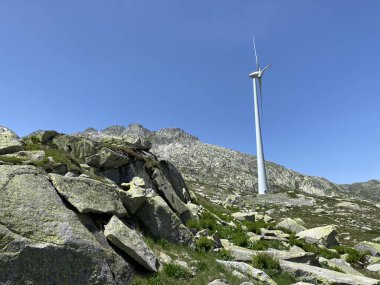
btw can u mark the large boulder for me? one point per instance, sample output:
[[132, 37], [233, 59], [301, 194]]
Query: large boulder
[[161, 222], [324, 276], [9, 141], [291, 225], [372, 247], [322, 235], [244, 216], [248, 270], [43, 136], [127, 172], [26, 156], [108, 158], [245, 254], [79, 147], [88, 195], [166, 190], [129, 241], [134, 195], [176, 180], [44, 242], [342, 265]]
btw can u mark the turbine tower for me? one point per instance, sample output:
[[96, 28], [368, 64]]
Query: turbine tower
[[261, 173]]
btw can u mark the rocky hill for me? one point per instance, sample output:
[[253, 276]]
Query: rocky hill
[[369, 190], [224, 169], [104, 208]]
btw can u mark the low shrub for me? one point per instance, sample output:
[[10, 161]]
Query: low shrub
[[11, 159], [225, 254], [206, 221], [177, 272], [234, 234], [266, 262], [354, 257], [204, 244], [201, 265], [257, 225], [272, 267]]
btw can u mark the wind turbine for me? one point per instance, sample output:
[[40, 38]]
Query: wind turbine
[[261, 173]]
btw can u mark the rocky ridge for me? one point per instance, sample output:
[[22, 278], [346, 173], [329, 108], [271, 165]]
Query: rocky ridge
[[205, 164], [105, 209]]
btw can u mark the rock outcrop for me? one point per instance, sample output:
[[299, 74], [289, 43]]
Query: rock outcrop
[[291, 225], [322, 235], [88, 195], [325, 276], [39, 232], [56, 226], [372, 247], [161, 222], [131, 243], [9, 141]]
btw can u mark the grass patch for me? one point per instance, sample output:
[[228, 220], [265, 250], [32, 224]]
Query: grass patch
[[284, 278], [272, 267], [204, 244], [225, 254], [208, 221], [177, 272], [208, 268], [257, 225], [354, 256], [218, 210], [11, 159]]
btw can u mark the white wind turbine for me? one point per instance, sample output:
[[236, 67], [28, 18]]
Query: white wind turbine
[[261, 173]]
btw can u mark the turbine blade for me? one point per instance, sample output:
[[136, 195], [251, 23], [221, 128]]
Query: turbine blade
[[261, 98], [257, 59], [266, 67]]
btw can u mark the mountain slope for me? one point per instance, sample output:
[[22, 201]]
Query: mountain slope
[[216, 166]]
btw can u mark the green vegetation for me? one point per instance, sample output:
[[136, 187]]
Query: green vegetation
[[11, 159], [225, 254], [272, 267], [208, 268], [354, 257], [204, 244], [218, 210], [266, 262], [324, 252], [255, 226], [208, 221], [176, 271]]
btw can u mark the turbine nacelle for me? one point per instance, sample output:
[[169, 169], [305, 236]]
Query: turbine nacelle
[[259, 73]]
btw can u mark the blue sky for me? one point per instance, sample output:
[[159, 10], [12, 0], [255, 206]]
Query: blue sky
[[68, 65]]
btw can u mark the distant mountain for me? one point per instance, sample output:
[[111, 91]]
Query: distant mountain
[[213, 165], [369, 190]]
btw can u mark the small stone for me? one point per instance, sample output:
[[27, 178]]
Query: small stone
[[219, 282], [372, 247], [374, 267]]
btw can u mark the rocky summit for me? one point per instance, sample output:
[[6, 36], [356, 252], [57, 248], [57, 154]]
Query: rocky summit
[[127, 205]]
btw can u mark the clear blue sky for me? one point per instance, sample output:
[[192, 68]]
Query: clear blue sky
[[68, 65]]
